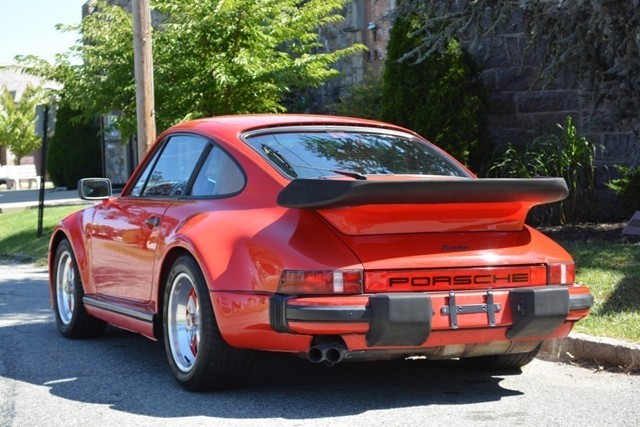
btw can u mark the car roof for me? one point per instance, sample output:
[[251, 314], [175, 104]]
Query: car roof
[[245, 123]]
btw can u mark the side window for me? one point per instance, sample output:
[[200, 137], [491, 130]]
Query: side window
[[137, 189], [169, 175], [219, 176]]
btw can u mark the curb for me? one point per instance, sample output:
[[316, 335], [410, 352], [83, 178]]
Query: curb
[[608, 352]]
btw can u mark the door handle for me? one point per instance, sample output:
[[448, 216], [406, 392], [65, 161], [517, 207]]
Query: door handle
[[152, 221]]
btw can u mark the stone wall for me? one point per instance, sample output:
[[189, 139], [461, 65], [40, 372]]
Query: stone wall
[[521, 109]]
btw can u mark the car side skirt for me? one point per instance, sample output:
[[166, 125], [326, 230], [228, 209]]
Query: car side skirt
[[135, 318]]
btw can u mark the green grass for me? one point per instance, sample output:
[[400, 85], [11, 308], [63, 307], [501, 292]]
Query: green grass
[[18, 232], [610, 269]]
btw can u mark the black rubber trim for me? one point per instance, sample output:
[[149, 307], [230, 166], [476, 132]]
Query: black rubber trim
[[332, 193], [537, 312], [112, 307], [278, 312], [402, 319], [328, 314], [580, 302]]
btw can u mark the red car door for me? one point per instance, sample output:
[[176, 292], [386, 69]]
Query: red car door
[[126, 230], [123, 243]]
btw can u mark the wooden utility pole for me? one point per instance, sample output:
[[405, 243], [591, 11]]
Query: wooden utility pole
[[143, 69]]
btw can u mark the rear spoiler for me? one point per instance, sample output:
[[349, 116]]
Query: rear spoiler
[[331, 194]]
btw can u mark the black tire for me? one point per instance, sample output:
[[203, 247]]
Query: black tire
[[199, 357], [503, 362], [72, 319]]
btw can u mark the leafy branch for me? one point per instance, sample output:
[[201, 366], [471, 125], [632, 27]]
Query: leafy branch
[[17, 131]]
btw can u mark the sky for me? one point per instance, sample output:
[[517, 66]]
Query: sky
[[28, 27]]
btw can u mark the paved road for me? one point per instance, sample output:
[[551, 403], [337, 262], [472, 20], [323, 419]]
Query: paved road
[[122, 379]]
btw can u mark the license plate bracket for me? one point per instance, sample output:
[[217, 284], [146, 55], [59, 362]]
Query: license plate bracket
[[453, 310]]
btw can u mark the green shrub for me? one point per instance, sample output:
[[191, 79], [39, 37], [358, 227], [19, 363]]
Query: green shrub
[[439, 97], [75, 149], [362, 99], [627, 188], [563, 154]]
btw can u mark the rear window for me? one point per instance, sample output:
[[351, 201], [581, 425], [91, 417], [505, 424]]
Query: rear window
[[311, 154]]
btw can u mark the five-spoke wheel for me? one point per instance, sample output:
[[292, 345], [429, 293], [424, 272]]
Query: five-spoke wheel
[[198, 354]]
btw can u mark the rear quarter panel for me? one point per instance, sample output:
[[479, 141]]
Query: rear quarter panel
[[242, 253], [247, 249]]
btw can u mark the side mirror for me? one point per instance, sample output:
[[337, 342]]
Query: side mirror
[[94, 188]]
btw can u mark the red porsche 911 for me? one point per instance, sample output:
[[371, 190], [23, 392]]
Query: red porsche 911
[[332, 238]]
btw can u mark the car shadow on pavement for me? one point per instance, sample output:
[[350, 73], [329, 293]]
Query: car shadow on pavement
[[129, 373]]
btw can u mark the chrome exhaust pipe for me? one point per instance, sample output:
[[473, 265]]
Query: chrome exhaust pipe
[[330, 353], [317, 354], [335, 354]]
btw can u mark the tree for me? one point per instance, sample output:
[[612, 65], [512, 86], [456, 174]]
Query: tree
[[440, 98], [362, 99], [74, 151], [210, 58], [17, 122]]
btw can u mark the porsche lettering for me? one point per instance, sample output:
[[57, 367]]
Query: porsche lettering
[[465, 279]]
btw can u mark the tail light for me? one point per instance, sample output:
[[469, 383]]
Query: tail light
[[320, 282], [562, 273]]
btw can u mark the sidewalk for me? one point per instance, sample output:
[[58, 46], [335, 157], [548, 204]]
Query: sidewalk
[[13, 200]]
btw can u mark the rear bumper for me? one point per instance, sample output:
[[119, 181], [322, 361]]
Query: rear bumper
[[408, 319]]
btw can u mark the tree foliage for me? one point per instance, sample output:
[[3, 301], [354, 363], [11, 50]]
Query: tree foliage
[[440, 97], [210, 58], [627, 188], [362, 99], [74, 151], [598, 38], [17, 121]]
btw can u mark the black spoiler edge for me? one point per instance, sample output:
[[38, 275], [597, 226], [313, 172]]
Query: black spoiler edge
[[331, 194]]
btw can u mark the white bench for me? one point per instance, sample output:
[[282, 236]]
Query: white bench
[[18, 173]]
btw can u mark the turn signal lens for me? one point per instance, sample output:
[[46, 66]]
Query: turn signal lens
[[320, 282], [562, 274]]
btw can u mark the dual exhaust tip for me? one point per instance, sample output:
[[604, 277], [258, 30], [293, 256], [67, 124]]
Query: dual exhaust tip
[[330, 353]]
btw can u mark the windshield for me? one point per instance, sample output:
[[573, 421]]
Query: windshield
[[311, 154]]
